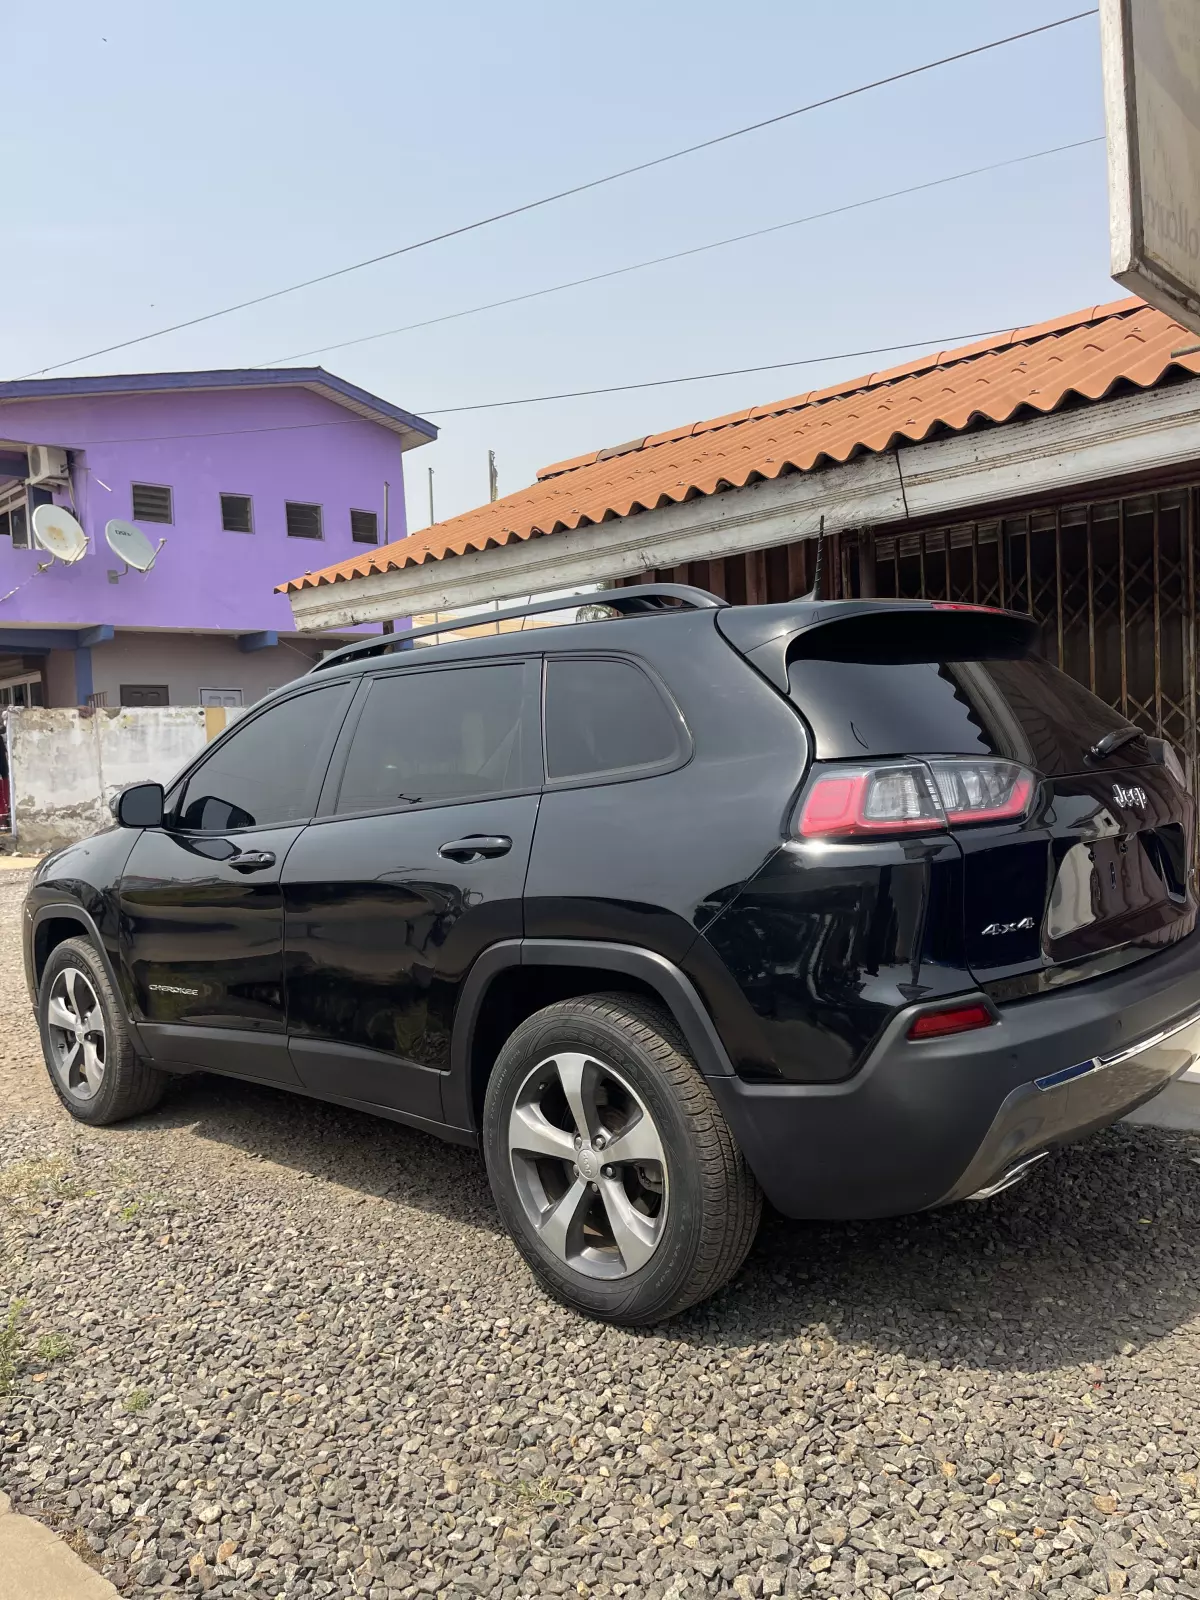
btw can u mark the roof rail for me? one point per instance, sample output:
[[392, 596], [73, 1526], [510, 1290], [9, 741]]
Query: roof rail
[[639, 599]]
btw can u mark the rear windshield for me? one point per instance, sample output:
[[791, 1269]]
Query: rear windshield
[[867, 696]]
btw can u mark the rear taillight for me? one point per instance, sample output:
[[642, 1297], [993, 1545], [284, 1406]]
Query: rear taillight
[[962, 605], [982, 791], [953, 1019], [843, 802]]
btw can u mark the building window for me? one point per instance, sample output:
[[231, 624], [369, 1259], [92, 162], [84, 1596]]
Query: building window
[[221, 697], [237, 513], [21, 689], [145, 694], [152, 503], [14, 516], [364, 527], [303, 521]]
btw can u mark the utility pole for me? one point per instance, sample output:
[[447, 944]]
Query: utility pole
[[388, 627], [432, 518], [493, 478]]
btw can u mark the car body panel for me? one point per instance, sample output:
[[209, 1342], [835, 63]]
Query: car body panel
[[381, 931], [923, 1123], [1113, 844], [652, 860], [81, 878], [825, 944], [202, 940]]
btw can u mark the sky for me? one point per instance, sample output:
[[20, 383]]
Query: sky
[[168, 159]]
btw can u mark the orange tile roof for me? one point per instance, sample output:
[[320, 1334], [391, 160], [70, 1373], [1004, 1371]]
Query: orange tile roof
[[1030, 369]]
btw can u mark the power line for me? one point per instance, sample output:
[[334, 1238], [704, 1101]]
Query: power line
[[579, 188], [572, 394], [701, 377], [695, 250]]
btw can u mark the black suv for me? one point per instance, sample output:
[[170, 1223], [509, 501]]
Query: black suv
[[860, 906]]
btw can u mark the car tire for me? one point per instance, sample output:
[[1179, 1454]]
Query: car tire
[[93, 1066], [670, 1216]]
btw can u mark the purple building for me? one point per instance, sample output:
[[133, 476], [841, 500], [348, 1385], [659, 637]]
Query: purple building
[[249, 476]]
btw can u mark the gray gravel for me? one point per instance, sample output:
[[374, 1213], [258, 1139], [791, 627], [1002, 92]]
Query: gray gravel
[[304, 1361]]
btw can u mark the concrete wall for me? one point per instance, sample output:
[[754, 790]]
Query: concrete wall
[[185, 663], [65, 766]]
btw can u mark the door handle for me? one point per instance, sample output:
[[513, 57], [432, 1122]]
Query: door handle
[[476, 845], [252, 860]]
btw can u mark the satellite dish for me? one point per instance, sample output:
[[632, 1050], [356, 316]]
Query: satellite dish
[[127, 541], [57, 531]]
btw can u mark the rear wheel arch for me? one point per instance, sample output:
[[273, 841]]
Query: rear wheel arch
[[512, 980]]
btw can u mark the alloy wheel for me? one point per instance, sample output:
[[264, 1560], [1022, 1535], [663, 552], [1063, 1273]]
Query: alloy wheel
[[588, 1164], [78, 1043]]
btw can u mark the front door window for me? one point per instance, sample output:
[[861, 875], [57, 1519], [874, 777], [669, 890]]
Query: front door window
[[201, 901]]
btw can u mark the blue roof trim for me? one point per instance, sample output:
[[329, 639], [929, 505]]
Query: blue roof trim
[[316, 378]]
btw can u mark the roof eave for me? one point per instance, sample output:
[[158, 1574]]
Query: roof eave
[[412, 429], [946, 477]]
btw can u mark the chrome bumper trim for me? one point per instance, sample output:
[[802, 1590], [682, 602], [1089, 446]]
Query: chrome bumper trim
[[1053, 1080], [1013, 1175]]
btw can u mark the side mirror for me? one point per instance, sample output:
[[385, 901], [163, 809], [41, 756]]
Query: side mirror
[[140, 806]]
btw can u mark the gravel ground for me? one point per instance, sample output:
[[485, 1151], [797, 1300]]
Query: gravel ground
[[271, 1348]]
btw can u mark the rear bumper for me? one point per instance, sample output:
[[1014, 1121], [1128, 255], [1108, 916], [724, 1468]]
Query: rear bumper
[[924, 1124]]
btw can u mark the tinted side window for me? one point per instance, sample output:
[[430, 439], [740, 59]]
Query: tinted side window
[[435, 736], [605, 716], [269, 770]]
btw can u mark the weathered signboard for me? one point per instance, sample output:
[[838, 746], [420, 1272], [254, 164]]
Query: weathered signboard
[[1151, 53]]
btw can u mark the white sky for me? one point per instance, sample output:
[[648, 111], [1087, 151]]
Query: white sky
[[164, 159]]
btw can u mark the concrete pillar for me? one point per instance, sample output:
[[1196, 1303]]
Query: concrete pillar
[[83, 676]]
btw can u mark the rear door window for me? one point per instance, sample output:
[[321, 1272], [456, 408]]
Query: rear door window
[[427, 738], [605, 715], [269, 769]]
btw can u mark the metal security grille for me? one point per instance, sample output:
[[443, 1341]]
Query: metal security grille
[[1112, 583]]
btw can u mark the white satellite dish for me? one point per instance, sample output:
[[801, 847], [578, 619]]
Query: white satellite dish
[[58, 533], [127, 541]]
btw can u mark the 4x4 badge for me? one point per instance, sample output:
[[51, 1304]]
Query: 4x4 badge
[[1008, 927]]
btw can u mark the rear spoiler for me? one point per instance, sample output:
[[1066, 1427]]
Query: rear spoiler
[[867, 630]]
